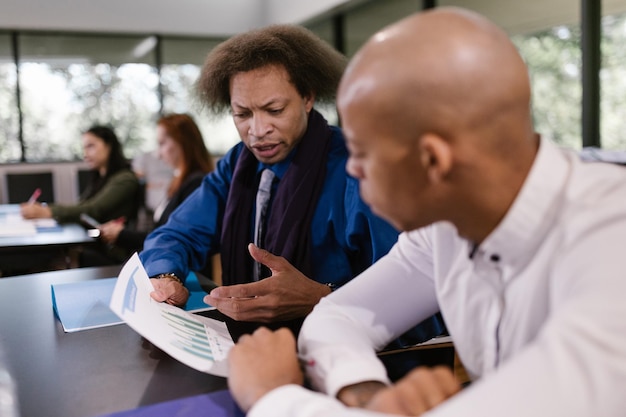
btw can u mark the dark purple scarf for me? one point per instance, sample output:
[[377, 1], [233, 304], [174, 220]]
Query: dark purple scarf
[[289, 224]]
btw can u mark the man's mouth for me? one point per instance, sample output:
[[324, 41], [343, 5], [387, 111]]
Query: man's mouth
[[266, 150]]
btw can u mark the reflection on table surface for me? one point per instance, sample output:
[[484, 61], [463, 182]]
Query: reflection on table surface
[[87, 373]]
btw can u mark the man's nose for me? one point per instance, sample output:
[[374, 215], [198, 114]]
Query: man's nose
[[259, 126]]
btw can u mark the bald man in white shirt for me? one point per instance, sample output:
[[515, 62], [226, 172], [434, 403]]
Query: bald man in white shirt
[[517, 242]]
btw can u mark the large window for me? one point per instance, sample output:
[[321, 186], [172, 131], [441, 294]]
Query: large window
[[613, 81], [182, 62], [551, 50], [9, 140], [553, 57], [69, 83]]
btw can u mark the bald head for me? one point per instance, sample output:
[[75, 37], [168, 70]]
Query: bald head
[[447, 71], [436, 114]]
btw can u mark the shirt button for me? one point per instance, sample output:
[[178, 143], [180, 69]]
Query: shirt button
[[495, 258]]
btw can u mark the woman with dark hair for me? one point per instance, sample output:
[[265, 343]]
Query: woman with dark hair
[[112, 191], [181, 146]]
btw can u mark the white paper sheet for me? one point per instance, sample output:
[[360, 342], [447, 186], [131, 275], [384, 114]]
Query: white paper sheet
[[12, 224], [199, 342]]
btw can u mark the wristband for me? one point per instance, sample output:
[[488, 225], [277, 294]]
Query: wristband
[[170, 275]]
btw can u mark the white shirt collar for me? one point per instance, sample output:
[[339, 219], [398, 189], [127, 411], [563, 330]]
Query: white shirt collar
[[516, 238]]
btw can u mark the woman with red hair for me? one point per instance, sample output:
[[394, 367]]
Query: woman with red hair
[[181, 146]]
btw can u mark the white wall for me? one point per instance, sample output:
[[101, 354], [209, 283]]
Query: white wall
[[518, 17], [195, 17], [226, 17], [184, 17], [289, 11]]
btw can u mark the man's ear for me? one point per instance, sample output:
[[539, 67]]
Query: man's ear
[[309, 101], [435, 156]]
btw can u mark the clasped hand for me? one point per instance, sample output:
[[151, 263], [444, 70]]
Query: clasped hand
[[266, 360], [169, 291], [419, 391], [261, 362]]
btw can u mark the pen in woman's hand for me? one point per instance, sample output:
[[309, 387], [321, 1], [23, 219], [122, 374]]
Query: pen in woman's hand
[[33, 198]]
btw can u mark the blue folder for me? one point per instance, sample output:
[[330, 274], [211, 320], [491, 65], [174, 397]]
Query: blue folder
[[85, 305]]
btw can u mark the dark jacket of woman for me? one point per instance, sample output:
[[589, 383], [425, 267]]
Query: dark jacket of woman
[[116, 197]]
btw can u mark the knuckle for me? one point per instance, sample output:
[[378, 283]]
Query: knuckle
[[262, 331], [418, 374], [442, 372], [283, 331], [272, 306], [234, 310]]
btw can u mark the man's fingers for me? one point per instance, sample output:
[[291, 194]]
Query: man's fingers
[[425, 388], [446, 380], [385, 401], [179, 297], [263, 335], [169, 291], [415, 400], [420, 391], [250, 290], [230, 291], [261, 362], [368, 393], [286, 337], [242, 309], [266, 258], [158, 296]]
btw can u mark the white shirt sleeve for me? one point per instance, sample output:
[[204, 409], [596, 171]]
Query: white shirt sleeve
[[560, 338], [576, 366], [339, 339], [303, 403]]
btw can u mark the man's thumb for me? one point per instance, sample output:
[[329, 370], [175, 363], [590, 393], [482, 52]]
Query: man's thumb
[[263, 257]]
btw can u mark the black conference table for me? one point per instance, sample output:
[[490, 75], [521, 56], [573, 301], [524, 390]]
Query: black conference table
[[87, 373], [47, 249]]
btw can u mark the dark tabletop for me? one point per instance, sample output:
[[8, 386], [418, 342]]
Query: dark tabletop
[[86, 373]]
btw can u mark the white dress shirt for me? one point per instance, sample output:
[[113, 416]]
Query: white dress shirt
[[537, 312]]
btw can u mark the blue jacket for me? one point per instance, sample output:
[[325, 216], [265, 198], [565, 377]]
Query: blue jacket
[[347, 238]]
